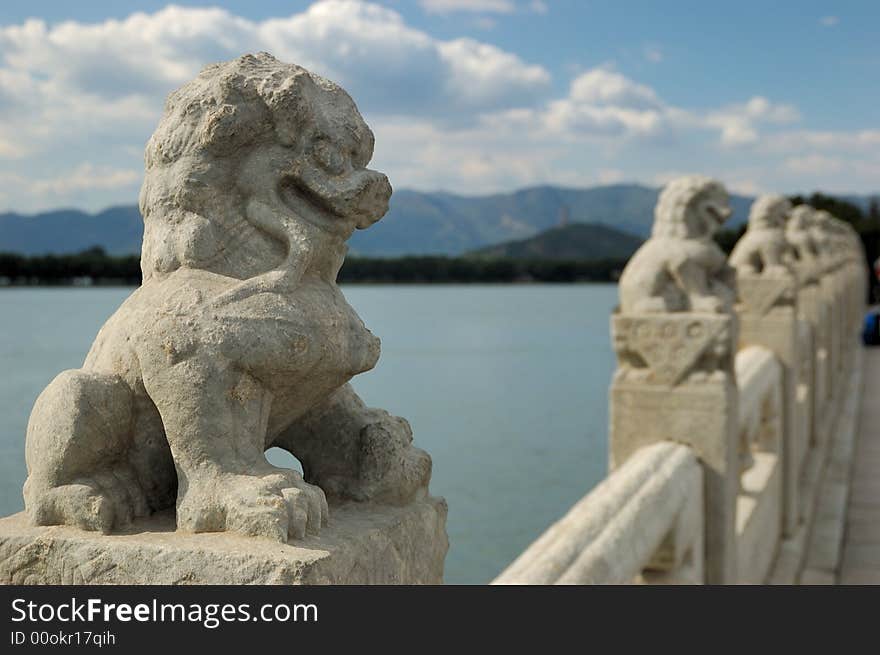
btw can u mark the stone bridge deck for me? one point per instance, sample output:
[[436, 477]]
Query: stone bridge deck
[[860, 563]]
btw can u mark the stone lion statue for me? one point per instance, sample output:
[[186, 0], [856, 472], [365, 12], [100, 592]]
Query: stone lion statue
[[822, 230], [680, 268], [239, 339], [764, 248], [800, 235], [836, 240]]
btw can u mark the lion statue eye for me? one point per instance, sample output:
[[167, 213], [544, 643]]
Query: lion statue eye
[[328, 157]]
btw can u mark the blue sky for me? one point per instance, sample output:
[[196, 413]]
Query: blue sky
[[471, 96]]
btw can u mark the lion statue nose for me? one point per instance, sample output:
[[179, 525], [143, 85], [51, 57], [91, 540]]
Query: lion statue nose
[[372, 202]]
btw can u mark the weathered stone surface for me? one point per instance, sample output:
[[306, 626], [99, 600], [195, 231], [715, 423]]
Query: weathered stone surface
[[762, 293], [360, 545], [703, 416], [238, 340], [672, 348], [799, 233], [680, 268], [675, 339], [764, 248], [644, 522], [767, 264], [758, 519]]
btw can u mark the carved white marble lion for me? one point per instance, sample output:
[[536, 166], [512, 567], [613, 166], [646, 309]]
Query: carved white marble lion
[[764, 247], [680, 268], [800, 235], [239, 338]]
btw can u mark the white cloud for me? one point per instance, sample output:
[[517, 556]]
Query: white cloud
[[96, 89], [829, 21], [799, 140], [484, 23], [482, 76], [481, 6], [761, 109], [539, 6], [813, 164], [653, 53], [10, 149], [604, 87], [666, 176], [745, 186], [833, 174], [603, 103], [85, 177], [474, 6], [475, 159], [78, 101], [607, 119], [77, 72], [739, 123], [610, 176], [735, 130]]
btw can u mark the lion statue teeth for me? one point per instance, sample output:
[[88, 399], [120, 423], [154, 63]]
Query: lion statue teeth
[[680, 268], [239, 339]]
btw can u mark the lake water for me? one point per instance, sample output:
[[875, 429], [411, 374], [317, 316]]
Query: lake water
[[505, 387]]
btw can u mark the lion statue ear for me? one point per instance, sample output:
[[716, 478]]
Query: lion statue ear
[[769, 212], [290, 103]]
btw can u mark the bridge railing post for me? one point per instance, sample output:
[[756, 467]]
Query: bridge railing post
[[675, 336], [768, 318], [767, 292], [685, 392]]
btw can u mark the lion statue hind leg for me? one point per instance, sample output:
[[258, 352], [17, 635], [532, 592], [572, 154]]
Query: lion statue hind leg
[[77, 441]]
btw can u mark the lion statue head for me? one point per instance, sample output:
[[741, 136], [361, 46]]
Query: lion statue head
[[244, 150], [800, 219], [769, 212], [836, 239], [691, 207]]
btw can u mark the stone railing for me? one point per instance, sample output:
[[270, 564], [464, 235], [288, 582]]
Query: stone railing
[[731, 389], [759, 503], [645, 520]]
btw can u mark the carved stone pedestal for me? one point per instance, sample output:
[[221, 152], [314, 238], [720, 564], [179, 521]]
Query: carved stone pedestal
[[813, 309], [361, 545], [675, 382], [830, 294], [768, 317]]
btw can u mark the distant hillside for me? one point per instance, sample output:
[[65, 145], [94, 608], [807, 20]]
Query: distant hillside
[[118, 230], [578, 241], [417, 223], [445, 223]]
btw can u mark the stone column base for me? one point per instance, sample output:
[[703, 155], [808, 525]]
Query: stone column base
[[361, 545]]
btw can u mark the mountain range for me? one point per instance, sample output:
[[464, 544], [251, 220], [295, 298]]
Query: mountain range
[[577, 241], [450, 224], [418, 222]]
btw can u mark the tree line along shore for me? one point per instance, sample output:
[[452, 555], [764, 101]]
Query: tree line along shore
[[96, 267]]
